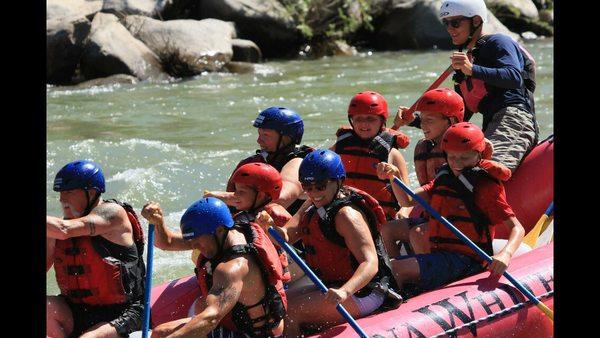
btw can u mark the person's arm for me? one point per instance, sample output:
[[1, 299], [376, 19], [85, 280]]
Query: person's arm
[[352, 226], [222, 297], [164, 239], [291, 188], [502, 259], [390, 171], [402, 119], [505, 68], [225, 196], [50, 244], [103, 219], [289, 231], [396, 158]]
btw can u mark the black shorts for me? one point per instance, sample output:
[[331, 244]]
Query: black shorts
[[86, 316]]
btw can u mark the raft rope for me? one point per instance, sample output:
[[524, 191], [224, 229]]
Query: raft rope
[[493, 315]]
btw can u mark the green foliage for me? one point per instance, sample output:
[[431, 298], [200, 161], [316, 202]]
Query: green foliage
[[340, 26]]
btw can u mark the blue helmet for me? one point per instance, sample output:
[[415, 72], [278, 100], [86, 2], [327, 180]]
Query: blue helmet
[[82, 174], [204, 217], [285, 121], [320, 165]]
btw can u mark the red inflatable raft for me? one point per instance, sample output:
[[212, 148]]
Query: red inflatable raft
[[474, 306]]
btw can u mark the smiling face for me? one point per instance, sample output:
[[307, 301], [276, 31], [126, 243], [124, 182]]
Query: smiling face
[[268, 139], [434, 125], [74, 202], [458, 27], [367, 126], [321, 193], [460, 160], [245, 197]]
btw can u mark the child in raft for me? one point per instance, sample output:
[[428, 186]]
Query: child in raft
[[468, 191]]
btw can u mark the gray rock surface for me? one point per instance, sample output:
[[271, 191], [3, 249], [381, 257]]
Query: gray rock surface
[[185, 47], [64, 46], [266, 22], [245, 50], [57, 9], [111, 49]]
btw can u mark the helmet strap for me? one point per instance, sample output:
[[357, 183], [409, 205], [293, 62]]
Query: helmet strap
[[90, 204]]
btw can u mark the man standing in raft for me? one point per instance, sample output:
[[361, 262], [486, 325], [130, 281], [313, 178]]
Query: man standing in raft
[[239, 273], [97, 252], [496, 77], [468, 191]]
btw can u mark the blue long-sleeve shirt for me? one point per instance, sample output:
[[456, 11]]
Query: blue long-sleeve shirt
[[499, 62]]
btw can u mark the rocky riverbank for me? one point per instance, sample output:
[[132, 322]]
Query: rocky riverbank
[[88, 40]]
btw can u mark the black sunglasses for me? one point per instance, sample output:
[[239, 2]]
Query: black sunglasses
[[455, 23], [320, 186]]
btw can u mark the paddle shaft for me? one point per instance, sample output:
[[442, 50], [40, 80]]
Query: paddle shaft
[[434, 85], [307, 270], [532, 237], [548, 211], [472, 245], [149, 261]]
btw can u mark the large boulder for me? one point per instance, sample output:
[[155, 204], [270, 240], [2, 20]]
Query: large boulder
[[111, 49], [122, 8], [266, 22], [520, 16], [57, 9], [185, 47], [414, 24], [524, 8], [64, 46], [246, 51]]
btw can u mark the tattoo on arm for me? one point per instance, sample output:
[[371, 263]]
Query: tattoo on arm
[[92, 228], [224, 295]]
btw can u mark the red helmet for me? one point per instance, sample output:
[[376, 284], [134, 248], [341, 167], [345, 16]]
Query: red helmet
[[444, 101], [371, 103], [261, 176], [463, 136]]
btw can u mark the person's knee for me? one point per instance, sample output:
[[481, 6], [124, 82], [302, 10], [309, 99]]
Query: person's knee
[[58, 316]]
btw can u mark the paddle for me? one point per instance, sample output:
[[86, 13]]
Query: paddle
[[480, 252], [435, 84], [149, 261], [532, 237], [316, 280]]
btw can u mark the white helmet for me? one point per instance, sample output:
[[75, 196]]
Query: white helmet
[[466, 8]]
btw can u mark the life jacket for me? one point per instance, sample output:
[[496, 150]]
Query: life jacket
[[87, 272], [474, 90], [280, 216], [454, 198], [274, 303], [360, 158], [281, 158], [428, 158], [325, 249]]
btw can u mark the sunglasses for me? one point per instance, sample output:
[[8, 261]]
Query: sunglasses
[[455, 23], [320, 186]]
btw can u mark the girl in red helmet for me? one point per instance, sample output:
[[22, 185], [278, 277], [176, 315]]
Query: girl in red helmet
[[468, 191], [366, 143], [438, 110]]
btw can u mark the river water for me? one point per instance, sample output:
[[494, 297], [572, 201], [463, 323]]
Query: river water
[[169, 142]]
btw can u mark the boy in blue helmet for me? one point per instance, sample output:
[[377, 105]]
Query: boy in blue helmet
[[239, 274], [339, 227], [97, 253], [280, 132]]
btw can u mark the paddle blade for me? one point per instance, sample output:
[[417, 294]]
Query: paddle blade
[[549, 313], [532, 237]]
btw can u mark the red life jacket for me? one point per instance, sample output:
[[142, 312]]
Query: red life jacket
[[325, 249], [274, 303], [360, 158], [88, 272], [454, 198], [280, 217], [428, 158], [474, 90]]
